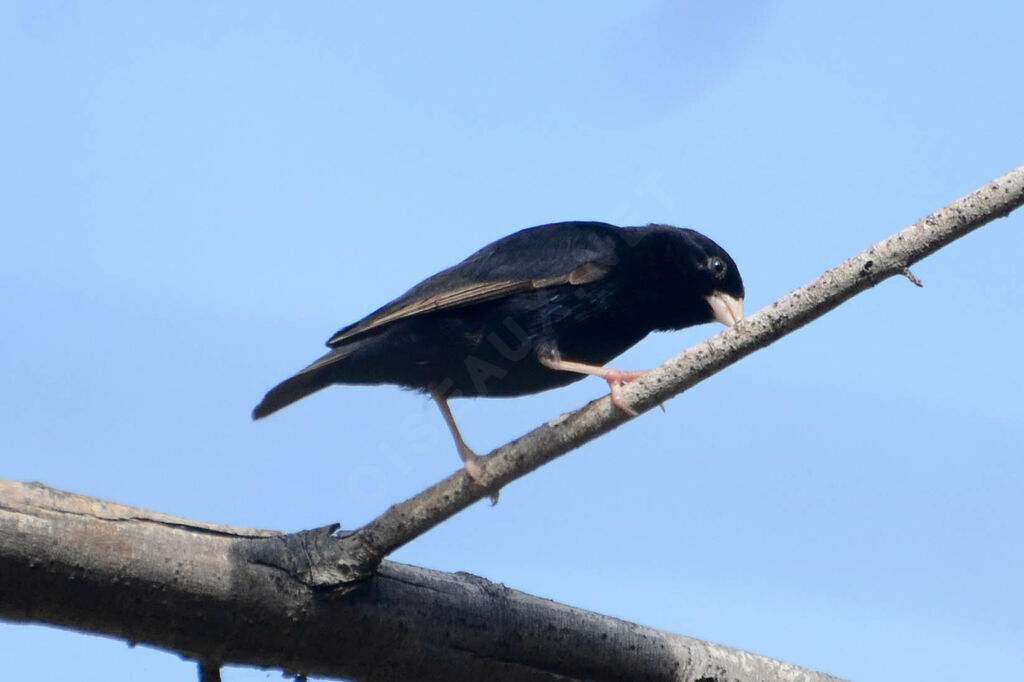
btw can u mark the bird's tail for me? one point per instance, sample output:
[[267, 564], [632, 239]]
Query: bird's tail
[[320, 374]]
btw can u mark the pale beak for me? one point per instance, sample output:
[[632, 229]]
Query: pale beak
[[727, 310]]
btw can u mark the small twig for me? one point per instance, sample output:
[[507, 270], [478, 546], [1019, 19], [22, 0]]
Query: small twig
[[913, 278], [401, 523]]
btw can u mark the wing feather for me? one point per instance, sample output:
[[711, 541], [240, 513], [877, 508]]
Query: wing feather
[[579, 253]]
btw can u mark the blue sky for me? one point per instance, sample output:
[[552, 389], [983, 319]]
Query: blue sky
[[197, 195]]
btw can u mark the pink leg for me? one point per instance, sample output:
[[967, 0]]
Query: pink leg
[[469, 458], [616, 378]]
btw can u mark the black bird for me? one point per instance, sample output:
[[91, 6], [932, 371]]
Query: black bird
[[538, 309]]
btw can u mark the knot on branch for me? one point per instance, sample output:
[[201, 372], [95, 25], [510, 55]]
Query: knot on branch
[[322, 559]]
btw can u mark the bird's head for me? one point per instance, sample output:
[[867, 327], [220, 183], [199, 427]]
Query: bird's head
[[697, 280], [721, 284]]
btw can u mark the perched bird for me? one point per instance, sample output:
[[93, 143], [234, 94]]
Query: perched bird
[[538, 309]]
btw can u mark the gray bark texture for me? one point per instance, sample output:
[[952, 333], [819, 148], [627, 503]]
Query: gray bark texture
[[231, 595]]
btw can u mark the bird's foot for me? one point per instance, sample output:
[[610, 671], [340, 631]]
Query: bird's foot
[[475, 470], [616, 379], [470, 460]]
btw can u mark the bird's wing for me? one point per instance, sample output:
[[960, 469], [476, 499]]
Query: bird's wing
[[545, 256]]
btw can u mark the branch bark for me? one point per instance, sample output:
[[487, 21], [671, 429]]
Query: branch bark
[[225, 595], [893, 256]]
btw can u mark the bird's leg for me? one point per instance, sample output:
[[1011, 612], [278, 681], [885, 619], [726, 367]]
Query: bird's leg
[[469, 458], [616, 378]]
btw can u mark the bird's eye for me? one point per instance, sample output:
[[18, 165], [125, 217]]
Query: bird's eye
[[717, 266]]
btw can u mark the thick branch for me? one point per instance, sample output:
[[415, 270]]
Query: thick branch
[[229, 595], [893, 256]]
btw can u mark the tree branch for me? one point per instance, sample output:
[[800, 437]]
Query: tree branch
[[321, 603], [225, 595], [893, 256]]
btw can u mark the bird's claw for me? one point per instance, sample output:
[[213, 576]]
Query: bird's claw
[[475, 471], [617, 399], [616, 380], [471, 463]]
